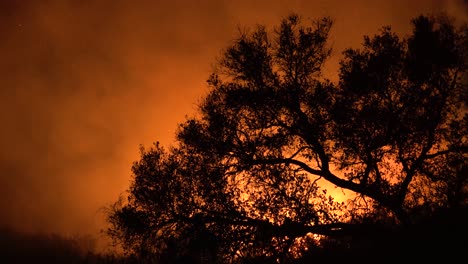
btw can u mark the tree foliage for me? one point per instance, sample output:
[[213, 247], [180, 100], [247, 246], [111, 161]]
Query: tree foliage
[[242, 179]]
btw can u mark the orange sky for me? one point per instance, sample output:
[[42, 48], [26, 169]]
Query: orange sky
[[83, 83]]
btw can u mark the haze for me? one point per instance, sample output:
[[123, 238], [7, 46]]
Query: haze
[[84, 83]]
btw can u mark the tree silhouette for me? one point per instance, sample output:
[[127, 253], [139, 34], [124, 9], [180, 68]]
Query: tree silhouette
[[241, 182]]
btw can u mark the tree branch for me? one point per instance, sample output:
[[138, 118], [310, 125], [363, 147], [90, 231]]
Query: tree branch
[[462, 149]]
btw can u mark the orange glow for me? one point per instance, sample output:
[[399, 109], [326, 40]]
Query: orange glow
[[83, 83]]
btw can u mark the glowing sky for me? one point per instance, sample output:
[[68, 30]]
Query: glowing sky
[[83, 83]]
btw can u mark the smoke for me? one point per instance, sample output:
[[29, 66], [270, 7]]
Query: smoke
[[83, 83]]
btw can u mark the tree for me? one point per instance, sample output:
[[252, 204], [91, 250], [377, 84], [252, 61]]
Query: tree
[[241, 181]]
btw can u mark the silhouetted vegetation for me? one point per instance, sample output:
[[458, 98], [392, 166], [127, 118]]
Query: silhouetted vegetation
[[17, 247], [240, 185], [26, 248]]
